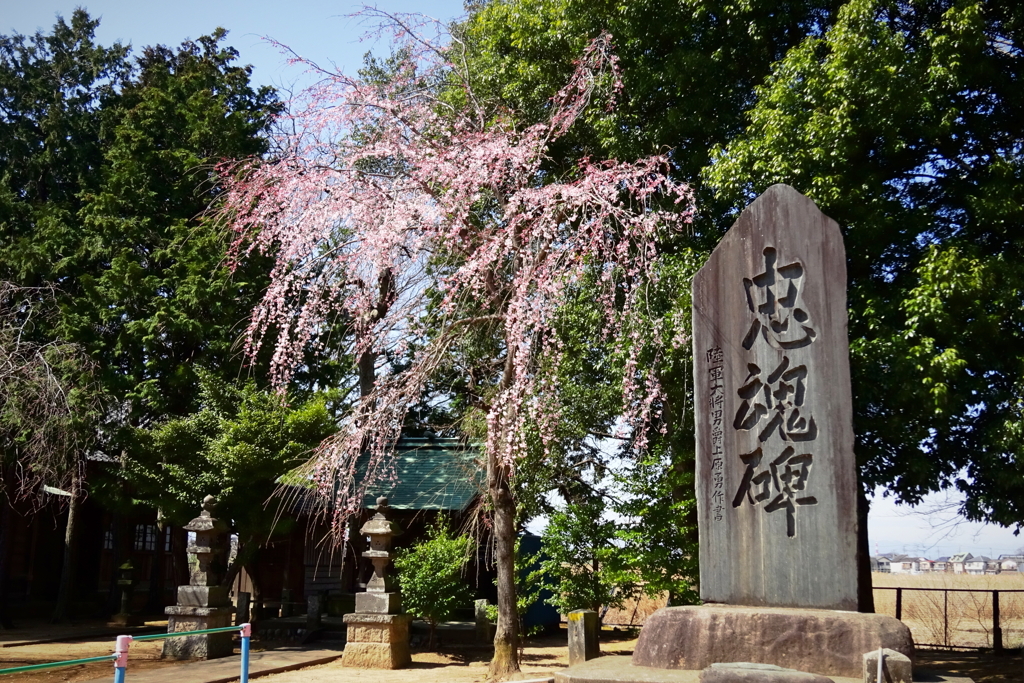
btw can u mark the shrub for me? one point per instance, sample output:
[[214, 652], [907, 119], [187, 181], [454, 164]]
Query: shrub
[[430, 576]]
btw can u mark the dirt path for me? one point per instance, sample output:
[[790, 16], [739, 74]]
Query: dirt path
[[145, 655], [541, 656]]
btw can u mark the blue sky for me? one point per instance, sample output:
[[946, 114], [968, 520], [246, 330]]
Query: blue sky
[[316, 29], [326, 33]]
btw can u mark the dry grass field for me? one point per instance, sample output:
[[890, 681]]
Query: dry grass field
[[960, 617]]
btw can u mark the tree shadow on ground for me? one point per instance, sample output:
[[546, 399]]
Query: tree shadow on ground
[[981, 666]]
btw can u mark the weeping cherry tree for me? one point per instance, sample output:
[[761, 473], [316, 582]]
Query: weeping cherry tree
[[419, 214]]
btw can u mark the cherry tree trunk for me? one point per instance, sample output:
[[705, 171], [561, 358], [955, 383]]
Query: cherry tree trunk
[[506, 636]]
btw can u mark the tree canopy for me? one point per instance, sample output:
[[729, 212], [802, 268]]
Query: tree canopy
[[108, 169], [902, 121]]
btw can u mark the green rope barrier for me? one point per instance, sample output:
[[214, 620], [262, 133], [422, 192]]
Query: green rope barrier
[[53, 665], [158, 636]]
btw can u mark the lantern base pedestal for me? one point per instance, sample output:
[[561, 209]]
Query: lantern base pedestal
[[118, 620], [206, 646], [377, 641], [378, 603]]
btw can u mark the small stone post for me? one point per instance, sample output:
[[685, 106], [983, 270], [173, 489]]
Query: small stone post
[[314, 608], [242, 607], [583, 634], [378, 636], [483, 622], [204, 603], [896, 667]]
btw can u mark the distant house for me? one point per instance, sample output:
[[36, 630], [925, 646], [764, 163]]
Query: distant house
[[942, 565], [1011, 563], [977, 566], [924, 565], [903, 564], [880, 564], [958, 561]]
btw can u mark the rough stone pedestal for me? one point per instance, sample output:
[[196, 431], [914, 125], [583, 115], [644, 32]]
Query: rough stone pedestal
[[826, 642], [206, 646], [377, 641], [618, 669]]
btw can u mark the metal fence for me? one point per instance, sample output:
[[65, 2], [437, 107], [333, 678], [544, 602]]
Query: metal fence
[[122, 645], [957, 618]]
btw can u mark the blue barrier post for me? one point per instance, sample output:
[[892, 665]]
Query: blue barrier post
[[121, 655], [246, 634]]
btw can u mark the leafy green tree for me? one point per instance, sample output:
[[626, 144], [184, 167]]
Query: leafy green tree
[[904, 121], [653, 542], [430, 576], [237, 446], [107, 168], [688, 72], [583, 566]]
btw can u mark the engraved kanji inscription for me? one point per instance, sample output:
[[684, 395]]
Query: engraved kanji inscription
[[716, 402], [775, 402], [780, 484], [774, 298]]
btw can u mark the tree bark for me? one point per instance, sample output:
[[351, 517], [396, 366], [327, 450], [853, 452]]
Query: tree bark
[[155, 600], [865, 594], [5, 541], [506, 635], [67, 572]]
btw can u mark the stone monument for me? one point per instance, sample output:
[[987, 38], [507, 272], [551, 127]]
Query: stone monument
[[776, 472], [204, 603], [378, 636]]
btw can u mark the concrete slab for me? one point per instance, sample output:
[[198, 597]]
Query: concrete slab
[[227, 669], [620, 669]]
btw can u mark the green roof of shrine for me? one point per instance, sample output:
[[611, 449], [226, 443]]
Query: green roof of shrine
[[433, 474]]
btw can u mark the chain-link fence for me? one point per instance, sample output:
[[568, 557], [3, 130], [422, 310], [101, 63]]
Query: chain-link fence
[[957, 617]]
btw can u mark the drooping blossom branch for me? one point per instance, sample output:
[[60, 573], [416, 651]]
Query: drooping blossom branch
[[413, 178]]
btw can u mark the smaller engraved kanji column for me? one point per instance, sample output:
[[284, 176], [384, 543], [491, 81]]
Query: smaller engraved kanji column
[[378, 636]]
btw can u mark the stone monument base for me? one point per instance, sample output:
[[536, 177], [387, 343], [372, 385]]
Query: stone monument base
[[619, 669], [826, 642], [377, 641], [207, 646]]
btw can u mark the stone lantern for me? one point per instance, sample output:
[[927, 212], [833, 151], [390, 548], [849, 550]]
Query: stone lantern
[[204, 602], [379, 597], [378, 636], [125, 582]]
